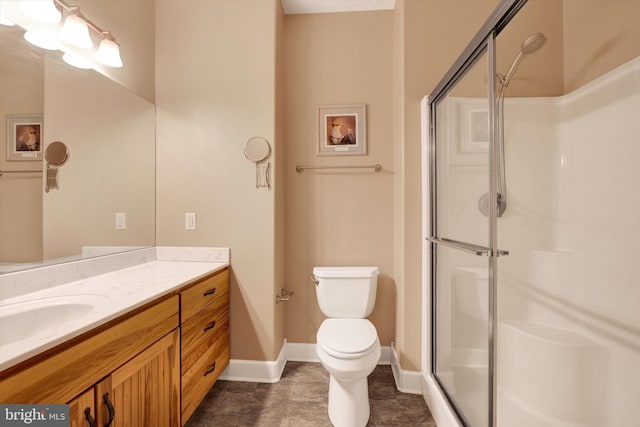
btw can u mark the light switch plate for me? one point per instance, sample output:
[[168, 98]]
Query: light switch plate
[[121, 221], [189, 221]]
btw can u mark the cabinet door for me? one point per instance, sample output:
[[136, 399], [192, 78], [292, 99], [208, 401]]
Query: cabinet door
[[82, 411], [146, 390]]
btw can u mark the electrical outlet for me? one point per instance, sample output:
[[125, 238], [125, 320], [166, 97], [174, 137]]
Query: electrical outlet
[[121, 221], [189, 221]]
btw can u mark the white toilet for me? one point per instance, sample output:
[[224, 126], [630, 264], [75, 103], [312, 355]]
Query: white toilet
[[347, 343]]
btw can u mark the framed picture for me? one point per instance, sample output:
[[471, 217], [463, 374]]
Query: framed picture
[[342, 130], [24, 133]]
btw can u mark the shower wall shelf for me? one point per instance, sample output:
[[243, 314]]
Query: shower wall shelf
[[376, 167]]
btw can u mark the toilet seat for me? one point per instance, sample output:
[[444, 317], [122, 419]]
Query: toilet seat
[[347, 338]]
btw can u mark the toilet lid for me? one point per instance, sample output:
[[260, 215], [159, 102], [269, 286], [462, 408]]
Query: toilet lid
[[347, 338]]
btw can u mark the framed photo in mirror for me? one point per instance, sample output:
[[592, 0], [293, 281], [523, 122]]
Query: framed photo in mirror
[[24, 137]]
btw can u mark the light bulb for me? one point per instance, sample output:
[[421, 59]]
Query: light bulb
[[41, 40], [6, 22], [109, 53], [41, 10], [76, 61], [3, 19], [76, 31]]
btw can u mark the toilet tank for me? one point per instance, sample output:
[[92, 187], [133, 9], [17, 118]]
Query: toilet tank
[[346, 292]]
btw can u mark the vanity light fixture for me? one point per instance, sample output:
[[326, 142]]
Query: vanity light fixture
[[41, 10], [76, 30]]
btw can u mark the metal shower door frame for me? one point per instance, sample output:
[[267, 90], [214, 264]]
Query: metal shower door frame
[[483, 42]]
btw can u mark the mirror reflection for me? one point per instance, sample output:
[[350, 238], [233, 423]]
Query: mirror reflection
[[111, 133]]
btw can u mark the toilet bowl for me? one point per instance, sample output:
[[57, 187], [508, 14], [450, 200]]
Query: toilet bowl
[[349, 350], [347, 344]]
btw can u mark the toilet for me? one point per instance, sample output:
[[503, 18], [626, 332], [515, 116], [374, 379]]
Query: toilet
[[347, 343]]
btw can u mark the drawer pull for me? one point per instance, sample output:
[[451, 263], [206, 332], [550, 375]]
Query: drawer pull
[[211, 369], [209, 292], [209, 326], [87, 416], [112, 412]]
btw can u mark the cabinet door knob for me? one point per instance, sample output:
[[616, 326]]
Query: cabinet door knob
[[87, 415], [209, 326], [209, 292], [211, 369], [112, 412]]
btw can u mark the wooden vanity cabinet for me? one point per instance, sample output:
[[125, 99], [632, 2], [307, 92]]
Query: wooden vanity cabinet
[[133, 358], [154, 364], [204, 318]]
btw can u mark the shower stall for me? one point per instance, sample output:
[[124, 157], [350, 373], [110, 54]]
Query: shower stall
[[532, 207]]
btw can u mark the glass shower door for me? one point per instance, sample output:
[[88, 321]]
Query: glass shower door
[[461, 237]]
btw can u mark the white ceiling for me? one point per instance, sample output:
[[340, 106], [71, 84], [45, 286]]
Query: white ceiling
[[325, 6]]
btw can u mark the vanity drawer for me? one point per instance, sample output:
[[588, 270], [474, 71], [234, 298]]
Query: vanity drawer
[[199, 295], [203, 329], [197, 381]]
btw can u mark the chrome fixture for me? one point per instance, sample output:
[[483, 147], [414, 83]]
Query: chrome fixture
[[56, 155], [376, 167], [284, 295], [530, 45], [20, 171], [258, 150]]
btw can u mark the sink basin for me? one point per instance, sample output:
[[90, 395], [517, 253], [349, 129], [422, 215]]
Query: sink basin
[[39, 317]]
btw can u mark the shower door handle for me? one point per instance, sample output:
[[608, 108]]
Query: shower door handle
[[468, 247]]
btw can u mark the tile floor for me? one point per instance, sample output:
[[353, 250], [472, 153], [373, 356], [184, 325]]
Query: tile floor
[[299, 399]]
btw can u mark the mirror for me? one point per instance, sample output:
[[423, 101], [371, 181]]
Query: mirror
[[56, 153], [55, 156], [111, 132]]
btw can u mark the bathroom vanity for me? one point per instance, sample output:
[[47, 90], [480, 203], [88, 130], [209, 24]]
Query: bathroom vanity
[[150, 363]]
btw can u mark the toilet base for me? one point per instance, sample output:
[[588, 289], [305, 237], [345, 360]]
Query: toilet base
[[348, 402]]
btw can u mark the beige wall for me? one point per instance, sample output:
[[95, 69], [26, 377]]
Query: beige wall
[[21, 92], [216, 88], [599, 35], [337, 217], [279, 184]]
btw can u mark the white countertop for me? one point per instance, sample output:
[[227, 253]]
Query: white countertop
[[111, 294]]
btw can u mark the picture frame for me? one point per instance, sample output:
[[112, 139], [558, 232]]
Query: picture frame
[[342, 130], [24, 137]]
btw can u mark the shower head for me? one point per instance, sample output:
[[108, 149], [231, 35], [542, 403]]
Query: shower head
[[533, 43], [530, 45]]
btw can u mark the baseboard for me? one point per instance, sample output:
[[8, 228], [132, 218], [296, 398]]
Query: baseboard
[[302, 352], [266, 371], [406, 381], [441, 412], [259, 371]]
